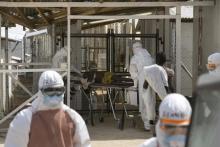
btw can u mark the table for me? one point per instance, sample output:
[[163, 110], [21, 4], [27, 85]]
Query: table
[[109, 88]]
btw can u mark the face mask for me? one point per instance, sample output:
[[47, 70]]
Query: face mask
[[176, 140], [53, 101]]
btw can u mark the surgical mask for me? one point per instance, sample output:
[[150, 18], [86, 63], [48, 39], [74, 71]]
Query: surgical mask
[[53, 101], [168, 140], [176, 140]]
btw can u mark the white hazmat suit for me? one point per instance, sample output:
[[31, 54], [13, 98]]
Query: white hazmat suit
[[174, 119], [140, 59], [157, 79], [214, 63], [48, 122], [60, 59]]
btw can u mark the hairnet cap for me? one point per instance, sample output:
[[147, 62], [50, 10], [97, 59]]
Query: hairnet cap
[[175, 110], [137, 45], [50, 79], [214, 58]]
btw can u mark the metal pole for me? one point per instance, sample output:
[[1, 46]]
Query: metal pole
[[106, 4], [107, 52], [195, 47], [125, 35], [23, 49], [113, 52], [133, 28], [68, 55], [157, 43], [53, 39], [2, 75], [178, 50], [6, 77]]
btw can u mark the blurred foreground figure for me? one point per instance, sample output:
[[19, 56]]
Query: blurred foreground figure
[[174, 119], [48, 122]]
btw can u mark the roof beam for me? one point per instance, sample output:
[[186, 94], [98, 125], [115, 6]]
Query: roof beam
[[22, 14], [105, 4], [122, 16], [42, 15], [16, 19], [84, 27]]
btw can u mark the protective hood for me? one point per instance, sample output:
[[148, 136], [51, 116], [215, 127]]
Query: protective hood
[[137, 47], [60, 57], [175, 110], [214, 59], [140, 59], [47, 79], [50, 79]]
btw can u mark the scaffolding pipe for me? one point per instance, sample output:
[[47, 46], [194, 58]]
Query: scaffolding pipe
[[178, 51], [6, 82], [105, 4], [18, 108], [20, 84], [115, 35], [68, 55]]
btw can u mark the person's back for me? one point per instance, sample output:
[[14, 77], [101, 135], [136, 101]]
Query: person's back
[[140, 59]]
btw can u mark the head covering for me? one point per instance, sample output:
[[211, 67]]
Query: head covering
[[161, 59], [214, 63], [137, 47], [174, 110], [49, 79]]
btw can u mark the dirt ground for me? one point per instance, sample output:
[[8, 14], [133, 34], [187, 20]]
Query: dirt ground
[[107, 134]]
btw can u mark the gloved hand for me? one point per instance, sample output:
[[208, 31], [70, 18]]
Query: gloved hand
[[145, 85]]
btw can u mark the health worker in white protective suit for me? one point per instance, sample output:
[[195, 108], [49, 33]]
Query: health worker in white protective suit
[[214, 63], [140, 59], [156, 81], [48, 122], [60, 59], [172, 126]]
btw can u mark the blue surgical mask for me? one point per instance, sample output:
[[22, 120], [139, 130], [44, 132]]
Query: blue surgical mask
[[53, 101], [176, 140]]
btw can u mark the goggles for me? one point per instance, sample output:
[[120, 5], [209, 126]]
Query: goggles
[[172, 129], [58, 91]]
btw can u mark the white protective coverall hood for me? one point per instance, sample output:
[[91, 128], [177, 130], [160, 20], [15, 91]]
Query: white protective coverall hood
[[18, 133], [157, 79], [214, 63], [140, 59], [61, 58], [174, 110]]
